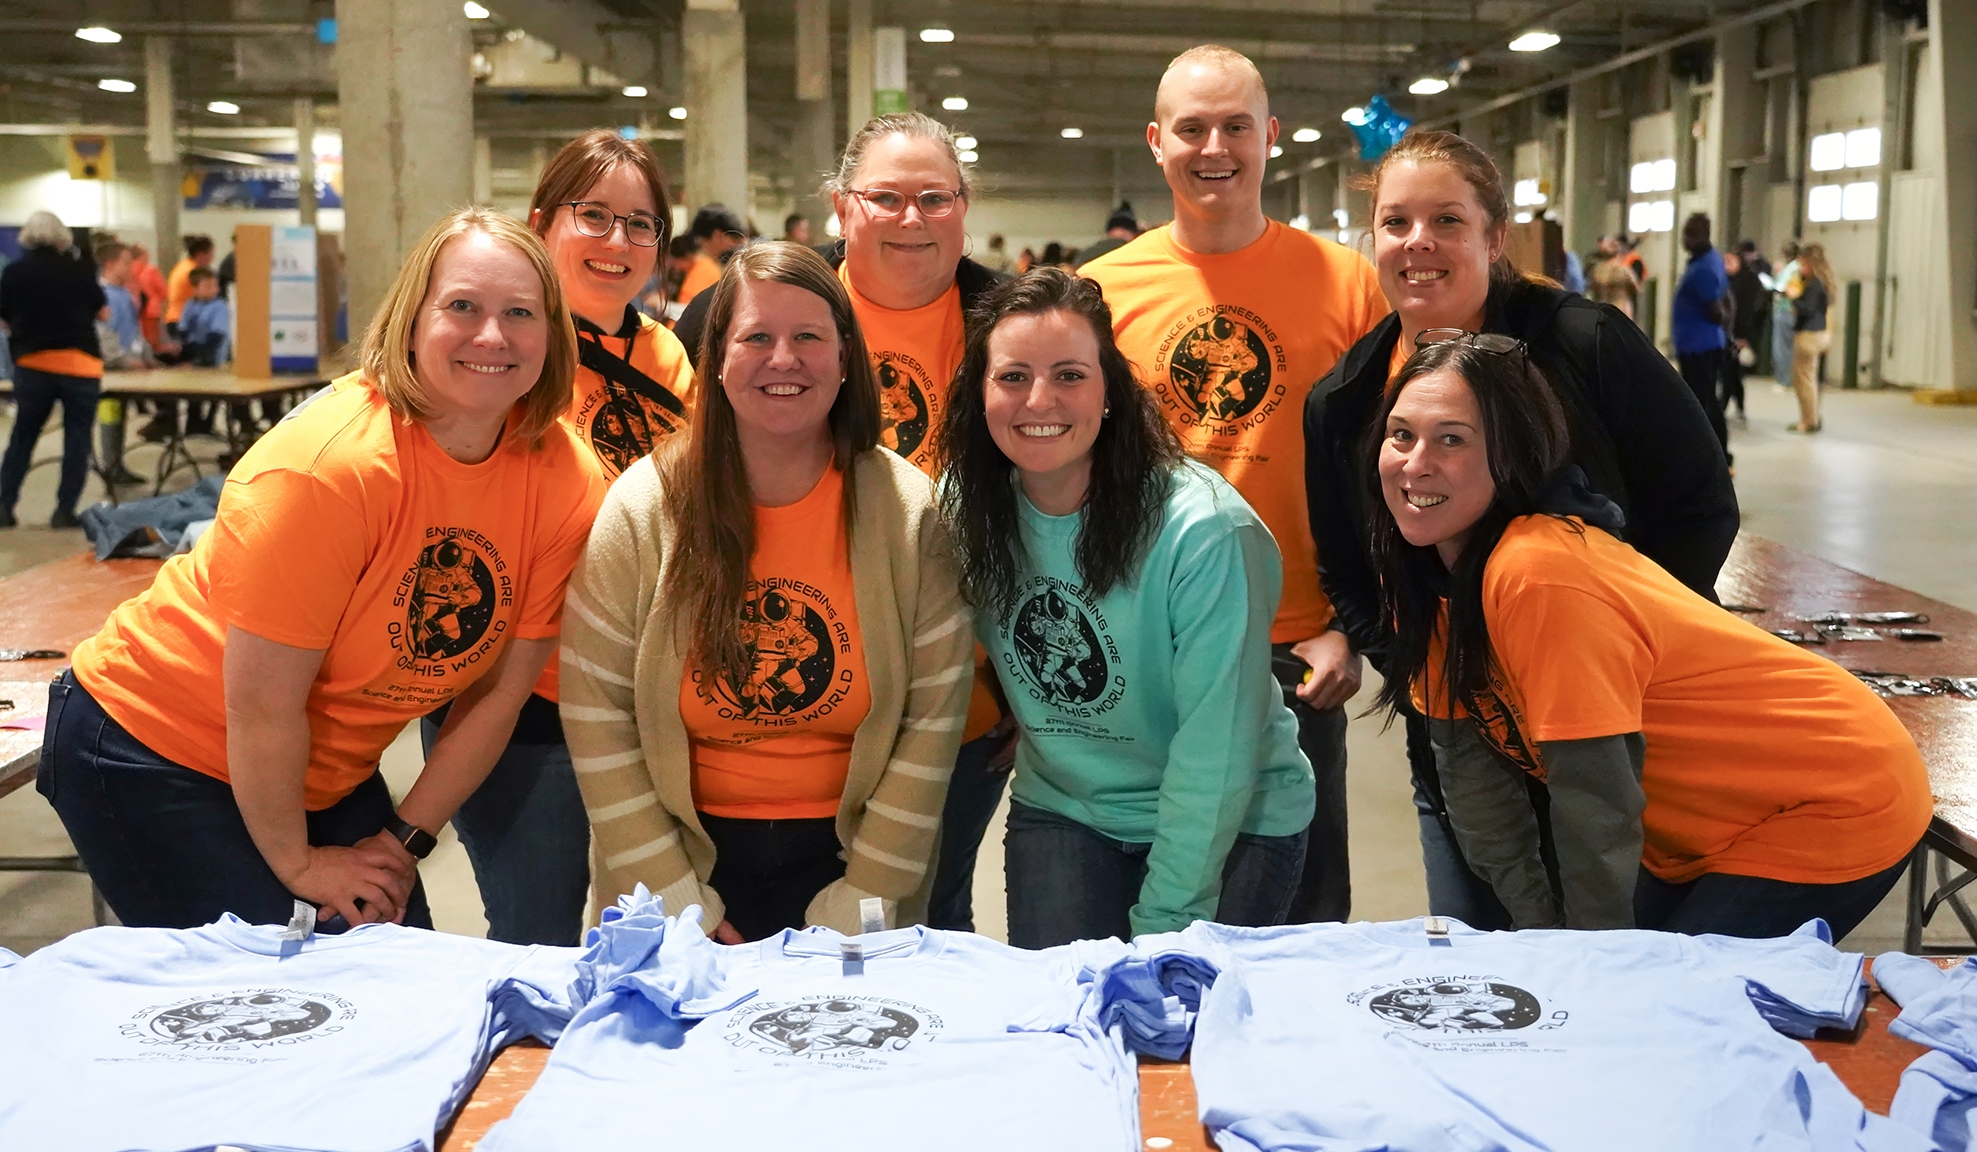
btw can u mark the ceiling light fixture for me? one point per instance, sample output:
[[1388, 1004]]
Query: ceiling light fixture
[[936, 35], [1276, 150], [1428, 86], [1306, 136], [676, 113], [97, 34], [969, 156], [966, 143], [1354, 115], [635, 90], [955, 103], [475, 11], [116, 86], [223, 107], [1073, 133], [1534, 41]]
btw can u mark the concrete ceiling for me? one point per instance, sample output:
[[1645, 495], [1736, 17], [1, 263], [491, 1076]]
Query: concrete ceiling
[[1028, 68]]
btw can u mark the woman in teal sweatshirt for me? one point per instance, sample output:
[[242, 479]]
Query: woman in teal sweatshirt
[[1125, 596]]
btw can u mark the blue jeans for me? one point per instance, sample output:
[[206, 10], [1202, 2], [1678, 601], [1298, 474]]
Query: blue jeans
[[1754, 907], [973, 794], [1324, 890], [35, 394], [528, 839], [166, 845], [1070, 882]]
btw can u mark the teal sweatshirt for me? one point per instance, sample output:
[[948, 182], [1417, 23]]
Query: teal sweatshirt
[[1150, 714]]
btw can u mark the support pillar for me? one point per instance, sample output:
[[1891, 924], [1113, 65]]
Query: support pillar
[[813, 151], [1952, 45], [717, 105], [406, 105], [483, 170], [858, 63], [305, 160], [1736, 124], [161, 148], [1582, 193]]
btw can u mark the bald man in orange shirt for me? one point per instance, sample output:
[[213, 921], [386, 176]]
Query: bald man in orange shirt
[[1230, 317]]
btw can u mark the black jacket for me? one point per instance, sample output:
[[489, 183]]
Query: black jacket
[[974, 279], [49, 301], [1637, 431]]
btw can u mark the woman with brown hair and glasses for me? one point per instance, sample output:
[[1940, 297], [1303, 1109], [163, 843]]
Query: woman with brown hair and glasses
[[400, 541], [1688, 771], [901, 192], [1440, 221], [602, 211], [767, 672]]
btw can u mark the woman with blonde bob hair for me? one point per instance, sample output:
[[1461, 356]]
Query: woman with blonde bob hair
[[401, 541], [766, 672]]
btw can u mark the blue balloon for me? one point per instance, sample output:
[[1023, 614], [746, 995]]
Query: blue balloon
[[1379, 128]]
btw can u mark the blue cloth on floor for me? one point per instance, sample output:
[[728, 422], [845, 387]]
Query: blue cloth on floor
[[1355, 1037], [1938, 1093], [150, 527]]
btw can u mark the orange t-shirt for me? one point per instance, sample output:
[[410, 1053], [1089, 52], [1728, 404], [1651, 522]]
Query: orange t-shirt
[[780, 748], [701, 275], [622, 422], [1762, 759], [178, 289], [64, 362], [914, 353], [1403, 352], [1231, 345], [348, 529]]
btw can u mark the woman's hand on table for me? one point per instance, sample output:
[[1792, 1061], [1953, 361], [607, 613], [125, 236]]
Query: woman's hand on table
[[370, 872], [724, 933]]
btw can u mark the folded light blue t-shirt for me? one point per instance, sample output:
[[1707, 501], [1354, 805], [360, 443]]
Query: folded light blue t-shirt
[[1938, 1093], [930, 1039], [120, 1039], [1378, 1036]]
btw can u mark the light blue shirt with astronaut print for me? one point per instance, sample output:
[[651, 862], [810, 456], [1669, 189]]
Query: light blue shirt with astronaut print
[[1150, 713]]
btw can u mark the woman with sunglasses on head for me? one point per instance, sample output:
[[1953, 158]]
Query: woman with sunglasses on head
[[602, 211], [901, 194], [1125, 595], [1440, 221], [767, 663], [1698, 775]]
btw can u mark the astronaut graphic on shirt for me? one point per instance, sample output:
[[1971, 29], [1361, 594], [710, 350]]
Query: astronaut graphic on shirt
[[1060, 646], [822, 1027], [452, 581], [1457, 1006], [1219, 358], [229, 1019], [779, 640]]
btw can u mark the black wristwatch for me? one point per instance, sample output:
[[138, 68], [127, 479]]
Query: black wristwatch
[[417, 841]]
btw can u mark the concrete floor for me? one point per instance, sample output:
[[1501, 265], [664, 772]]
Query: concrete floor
[[1880, 491]]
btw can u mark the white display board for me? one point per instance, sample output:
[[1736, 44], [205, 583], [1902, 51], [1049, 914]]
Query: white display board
[[292, 345]]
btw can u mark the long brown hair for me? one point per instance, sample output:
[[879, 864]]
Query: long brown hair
[[1132, 461], [1812, 263], [1478, 170], [579, 165], [708, 501]]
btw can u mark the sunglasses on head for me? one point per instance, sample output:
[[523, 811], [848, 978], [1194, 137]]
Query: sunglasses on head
[[1483, 341]]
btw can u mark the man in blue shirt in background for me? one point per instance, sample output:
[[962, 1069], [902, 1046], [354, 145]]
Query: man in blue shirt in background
[[1700, 310], [204, 324]]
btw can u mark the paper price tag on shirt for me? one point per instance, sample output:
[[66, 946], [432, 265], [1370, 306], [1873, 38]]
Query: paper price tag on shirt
[[872, 912]]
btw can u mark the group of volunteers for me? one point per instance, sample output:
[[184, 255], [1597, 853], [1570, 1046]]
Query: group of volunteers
[[764, 616]]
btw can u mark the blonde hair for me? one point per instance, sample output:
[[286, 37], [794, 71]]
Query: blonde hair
[[1212, 56], [912, 125], [387, 358], [1812, 263]]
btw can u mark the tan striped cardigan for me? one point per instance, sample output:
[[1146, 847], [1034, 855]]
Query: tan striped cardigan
[[621, 671]]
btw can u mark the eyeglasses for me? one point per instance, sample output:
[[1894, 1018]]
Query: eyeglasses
[[594, 219], [885, 203], [1483, 341]]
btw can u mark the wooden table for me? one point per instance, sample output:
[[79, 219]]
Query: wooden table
[[1791, 584], [172, 385], [1869, 1060], [56, 605]]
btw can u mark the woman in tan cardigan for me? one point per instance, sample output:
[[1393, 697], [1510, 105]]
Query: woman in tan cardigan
[[766, 661]]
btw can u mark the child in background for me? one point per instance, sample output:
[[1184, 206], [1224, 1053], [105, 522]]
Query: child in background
[[205, 322]]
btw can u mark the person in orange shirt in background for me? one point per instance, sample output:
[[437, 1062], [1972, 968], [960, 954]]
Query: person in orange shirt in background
[[400, 541], [901, 194], [149, 285], [1702, 775], [719, 232], [178, 287], [1230, 317], [601, 209]]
